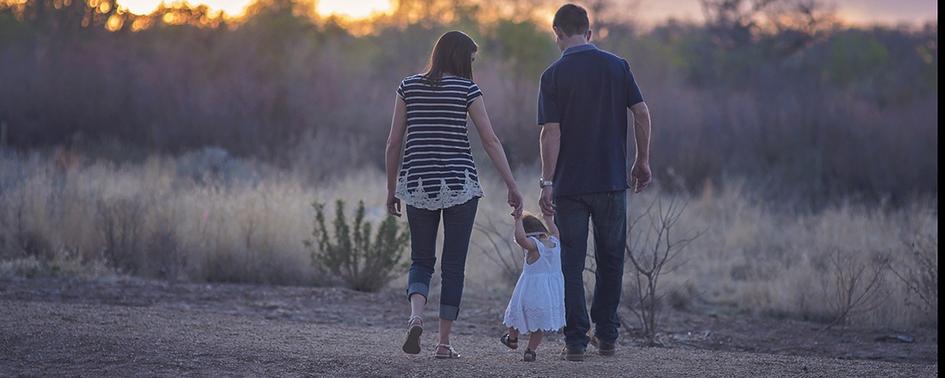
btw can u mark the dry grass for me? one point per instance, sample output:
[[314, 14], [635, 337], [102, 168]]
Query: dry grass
[[246, 222]]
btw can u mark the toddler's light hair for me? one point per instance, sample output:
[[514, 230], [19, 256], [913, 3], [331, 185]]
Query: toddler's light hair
[[533, 224]]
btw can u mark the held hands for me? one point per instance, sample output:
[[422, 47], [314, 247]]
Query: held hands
[[640, 176], [515, 201], [546, 201], [517, 214]]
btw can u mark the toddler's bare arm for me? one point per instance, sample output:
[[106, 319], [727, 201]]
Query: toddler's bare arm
[[552, 227]]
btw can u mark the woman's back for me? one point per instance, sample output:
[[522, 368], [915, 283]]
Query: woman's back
[[438, 169]]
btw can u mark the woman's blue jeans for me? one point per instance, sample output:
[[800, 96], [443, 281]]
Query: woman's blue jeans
[[457, 227]]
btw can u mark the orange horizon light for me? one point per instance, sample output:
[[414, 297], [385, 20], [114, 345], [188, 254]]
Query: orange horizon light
[[354, 10]]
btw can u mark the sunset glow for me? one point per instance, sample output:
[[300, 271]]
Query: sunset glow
[[648, 11], [230, 7], [353, 9], [344, 8]]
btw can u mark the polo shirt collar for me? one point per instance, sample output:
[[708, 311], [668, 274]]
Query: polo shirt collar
[[579, 48]]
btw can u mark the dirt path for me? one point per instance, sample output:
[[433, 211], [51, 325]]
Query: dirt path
[[131, 327]]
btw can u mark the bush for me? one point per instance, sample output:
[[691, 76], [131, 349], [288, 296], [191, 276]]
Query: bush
[[854, 284], [350, 255], [652, 248], [121, 224], [919, 274]]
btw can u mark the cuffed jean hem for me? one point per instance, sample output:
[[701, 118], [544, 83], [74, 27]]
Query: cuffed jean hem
[[577, 346], [418, 288], [448, 312]]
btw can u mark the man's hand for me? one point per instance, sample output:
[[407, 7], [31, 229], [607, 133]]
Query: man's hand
[[546, 201], [640, 176]]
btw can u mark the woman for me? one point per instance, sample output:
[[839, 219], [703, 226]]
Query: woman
[[436, 176]]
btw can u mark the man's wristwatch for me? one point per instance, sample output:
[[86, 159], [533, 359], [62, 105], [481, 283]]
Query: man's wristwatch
[[544, 183]]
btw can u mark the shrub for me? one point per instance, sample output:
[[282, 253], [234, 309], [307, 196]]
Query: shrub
[[854, 284], [350, 255], [121, 224], [919, 274], [652, 247]]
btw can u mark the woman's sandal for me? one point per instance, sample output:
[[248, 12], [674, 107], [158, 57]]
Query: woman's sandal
[[529, 356], [414, 330], [508, 341], [450, 352]]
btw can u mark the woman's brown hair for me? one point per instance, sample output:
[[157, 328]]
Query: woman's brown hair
[[452, 54], [532, 224]]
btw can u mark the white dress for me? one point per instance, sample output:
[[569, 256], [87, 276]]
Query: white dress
[[537, 304]]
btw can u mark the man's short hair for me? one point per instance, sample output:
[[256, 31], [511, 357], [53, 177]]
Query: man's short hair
[[571, 20]]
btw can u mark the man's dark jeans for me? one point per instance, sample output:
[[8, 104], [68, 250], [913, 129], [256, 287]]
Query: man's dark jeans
[[608, 212], [457, 227]]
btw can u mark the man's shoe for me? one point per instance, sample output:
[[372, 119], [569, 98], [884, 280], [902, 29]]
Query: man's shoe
[[569, 354], [605, 348]]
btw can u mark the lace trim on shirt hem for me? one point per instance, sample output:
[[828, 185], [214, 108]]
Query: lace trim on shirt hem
[[445, 198]]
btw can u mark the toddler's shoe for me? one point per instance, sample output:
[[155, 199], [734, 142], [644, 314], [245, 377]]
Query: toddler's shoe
[[529, 356]]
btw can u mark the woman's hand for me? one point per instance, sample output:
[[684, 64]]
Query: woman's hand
[[515, 200], [393, 205]]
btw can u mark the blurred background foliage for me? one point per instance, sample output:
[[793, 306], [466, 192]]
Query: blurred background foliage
[[777, 93]]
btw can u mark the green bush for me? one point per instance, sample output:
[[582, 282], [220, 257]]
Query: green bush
[[351, 255]]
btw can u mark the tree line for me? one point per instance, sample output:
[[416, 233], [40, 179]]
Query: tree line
[[777, 93]]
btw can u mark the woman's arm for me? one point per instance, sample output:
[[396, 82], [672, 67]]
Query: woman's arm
[[398, 126], [493, 147]]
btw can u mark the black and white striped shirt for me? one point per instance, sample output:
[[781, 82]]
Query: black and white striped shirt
[[438, 170]]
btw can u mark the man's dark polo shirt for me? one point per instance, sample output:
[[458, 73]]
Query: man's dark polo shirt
[[588, 91]]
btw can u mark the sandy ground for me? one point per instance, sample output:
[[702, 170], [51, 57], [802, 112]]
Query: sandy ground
[[129, 327]]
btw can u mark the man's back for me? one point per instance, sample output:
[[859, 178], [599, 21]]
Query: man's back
[[588, 92], [582, 107]]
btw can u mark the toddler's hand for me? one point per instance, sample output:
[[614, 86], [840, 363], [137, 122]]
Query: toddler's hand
[[517, 213]]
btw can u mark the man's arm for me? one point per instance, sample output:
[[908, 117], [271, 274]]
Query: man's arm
[[550, 144], [549, 118], [640, 175]]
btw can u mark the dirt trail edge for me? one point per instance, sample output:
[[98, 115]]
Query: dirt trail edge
[[130, 327]]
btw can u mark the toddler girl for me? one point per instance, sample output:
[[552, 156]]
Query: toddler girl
[[537, 303]]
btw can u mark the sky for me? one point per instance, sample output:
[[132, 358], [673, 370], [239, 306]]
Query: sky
[[855, 11]]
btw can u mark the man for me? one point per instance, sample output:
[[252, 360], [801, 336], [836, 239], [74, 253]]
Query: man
[[582, 108]]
